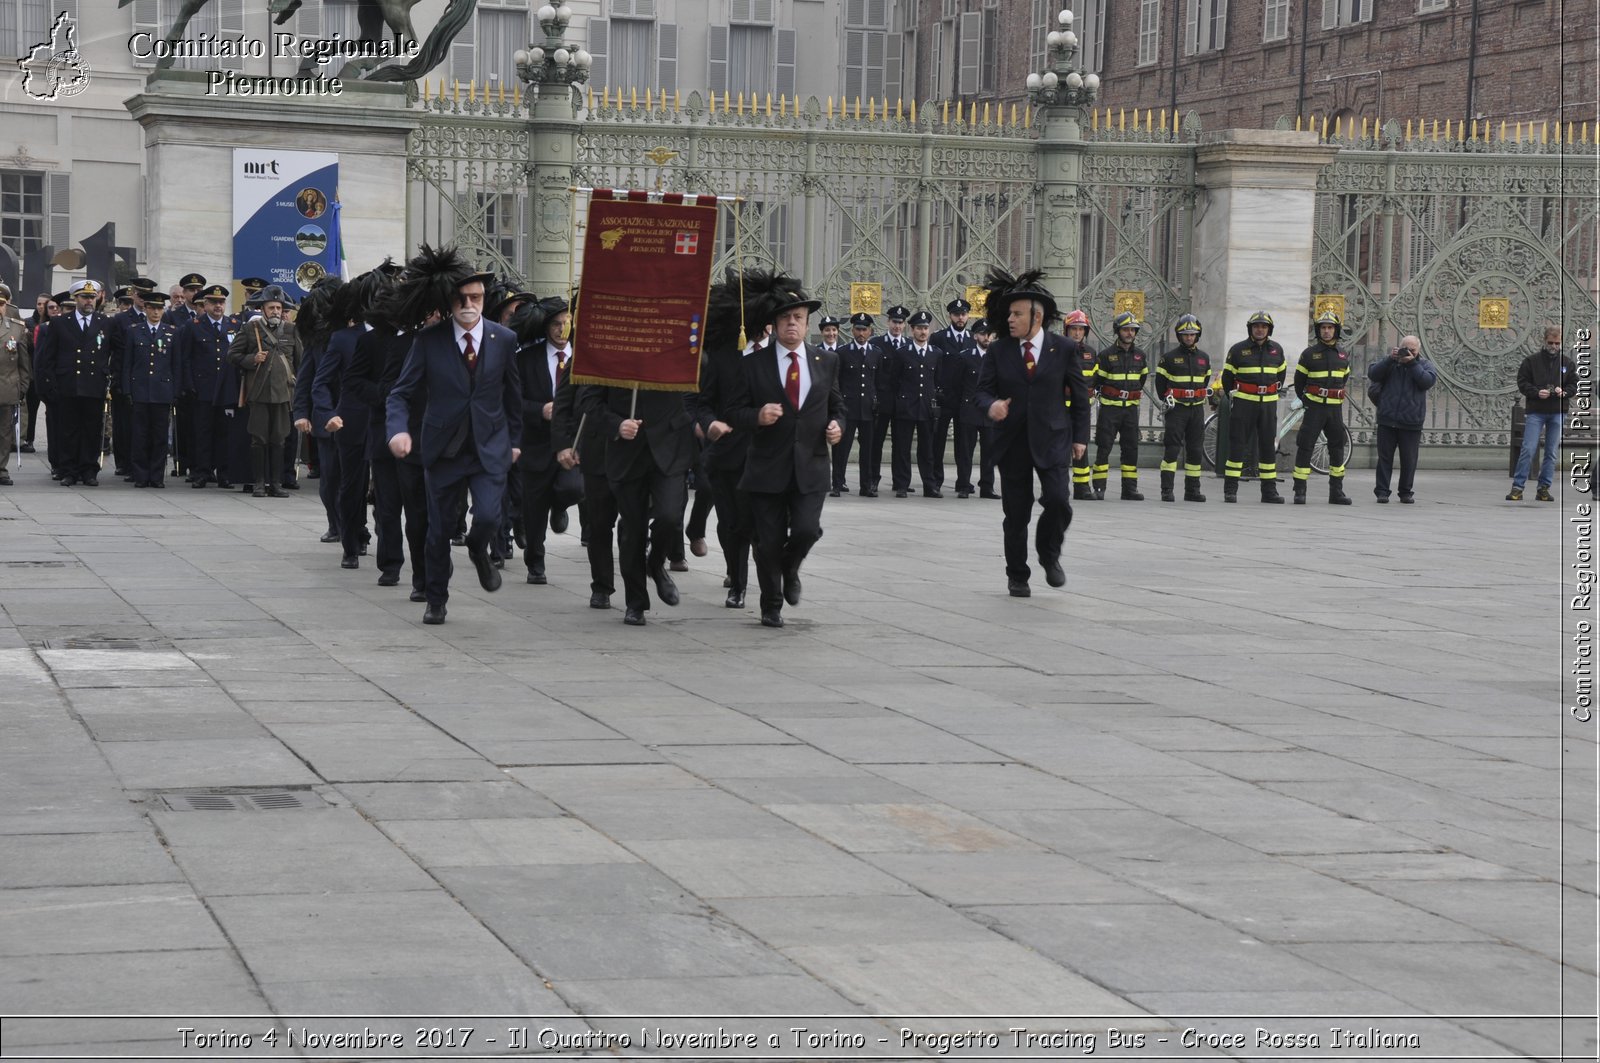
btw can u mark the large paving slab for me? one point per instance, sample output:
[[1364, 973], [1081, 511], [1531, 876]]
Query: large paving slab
[[1253, 761]]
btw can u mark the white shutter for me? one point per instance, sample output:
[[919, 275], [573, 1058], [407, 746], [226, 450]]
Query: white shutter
[[878, 14], [667, 57], [970, 52], [892, 65], [58, 200], [855, 63], [1364, 11], [1330, 14], [855, 12], [785, 63], [230, 22], [644, 8], [872, 74], [717, 59], [1219, 39], [146, 19], [1191, 27], [599, 45], [740, 11], [463, 52], [764, 11]]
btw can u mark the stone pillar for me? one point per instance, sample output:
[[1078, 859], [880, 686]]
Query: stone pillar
[[554, 136], [1256, 193], [189, 138], [1060, 171]]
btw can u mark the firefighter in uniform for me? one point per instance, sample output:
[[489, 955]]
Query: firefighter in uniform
[[1119, 375], [1076, 327], [1320, 379], [1253, 374], [858, 383], [1181, 381]]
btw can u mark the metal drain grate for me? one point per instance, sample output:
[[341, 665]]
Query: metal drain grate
[[33, 564], [107, 642], [256, 801], [121, 516]]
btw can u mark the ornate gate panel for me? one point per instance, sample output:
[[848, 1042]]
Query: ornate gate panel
[[1471, 250]]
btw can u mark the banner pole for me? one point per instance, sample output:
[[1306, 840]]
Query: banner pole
[[578, 436], [633, 407]]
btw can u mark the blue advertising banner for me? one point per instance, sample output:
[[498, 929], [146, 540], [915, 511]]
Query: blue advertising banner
[[284, 227]]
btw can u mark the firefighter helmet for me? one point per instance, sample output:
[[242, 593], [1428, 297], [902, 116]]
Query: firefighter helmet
[[1328, 317], [1188, 324], [1077, 317], [1260, 317], [1125, 320]]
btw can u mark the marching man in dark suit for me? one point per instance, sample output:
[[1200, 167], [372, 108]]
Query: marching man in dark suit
[[1023, 385], [464, 371], [788, 398], [548, 489]]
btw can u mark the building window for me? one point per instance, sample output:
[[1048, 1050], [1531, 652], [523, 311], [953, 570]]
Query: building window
[[501, 214], [23, 24], [1044, 20], [1149, 31], [989, 63], [1336, 13], [1275, 21], [501, 32], [1425, 7], [1206, 26], [749, 60], [22, 214], [1090, 24], [631, 54], [866, 48]]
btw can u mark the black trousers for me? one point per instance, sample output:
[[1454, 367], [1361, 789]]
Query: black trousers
[[1184, 434], [649, 517], [704, 501], [881, 423], [328, 483], [1017, 473], [968, 436], [413, 501], [904, 431], [540, 497], [448, 481], [852, 427], [601, 506], [787, 525], [30, 419], [1117, 422], [1322, 419], [55, 426], [147, 441], [121, 432], [941, 440], [352, 496], [82, 429], [1261, 418], [209, 453], [735, 525], [183, 434], [1406, 440]]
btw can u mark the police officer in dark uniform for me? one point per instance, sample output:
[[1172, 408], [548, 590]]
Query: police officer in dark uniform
[[973, 426], [180, 318], [146, 358], [121, 405], [1181, 382], [951, 341], [858, 383], [914, 392], [1253, 375], [211, 382], [888, 344], [1119, 375], [183, 314], [1320, 379], [1076, 328], [72, 366]]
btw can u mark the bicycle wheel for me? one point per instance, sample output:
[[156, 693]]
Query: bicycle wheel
[[1319, 456], [1208, 445]]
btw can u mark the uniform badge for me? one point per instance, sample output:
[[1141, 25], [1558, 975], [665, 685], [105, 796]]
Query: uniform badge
[[11, 344]]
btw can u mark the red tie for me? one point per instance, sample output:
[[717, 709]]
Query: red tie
[[1027, 357], [472, 355], [791, 383]]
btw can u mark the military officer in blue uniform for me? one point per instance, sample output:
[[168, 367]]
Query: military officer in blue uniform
[[914, 392], [951, 341], [858, 384], [973, 427], [212, 384], [72, 368], [146, 360]]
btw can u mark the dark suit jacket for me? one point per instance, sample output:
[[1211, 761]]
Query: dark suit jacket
[[374, 368], [205, 360], [489, 399], [965, 389], [533, 360], [148, 367], [794, 449], [327, 386], [720, 374], [666, 444], [1039, 418], [72, 363]]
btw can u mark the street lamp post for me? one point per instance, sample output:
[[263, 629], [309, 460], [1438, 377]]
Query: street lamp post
[[551, 69], [551, 64], [1062, 92], [1063, 84]]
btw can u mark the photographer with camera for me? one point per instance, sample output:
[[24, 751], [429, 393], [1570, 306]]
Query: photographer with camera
[[1399, 388]]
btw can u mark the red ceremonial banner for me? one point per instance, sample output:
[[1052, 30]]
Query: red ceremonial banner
[[642, 297]]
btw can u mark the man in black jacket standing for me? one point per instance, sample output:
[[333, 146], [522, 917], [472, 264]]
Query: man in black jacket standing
[[1023, 385], [1546, 379], [788, 399], [1402, 380]]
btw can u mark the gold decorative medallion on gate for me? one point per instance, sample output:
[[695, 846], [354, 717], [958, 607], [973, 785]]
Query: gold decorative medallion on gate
[[1323, 303], [1494, 313], [978, 296], [866, 298], [1128, 302]]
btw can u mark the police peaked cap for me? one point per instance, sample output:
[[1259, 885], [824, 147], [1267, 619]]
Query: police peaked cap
[[957, 306], [861, 320], [921, 317]]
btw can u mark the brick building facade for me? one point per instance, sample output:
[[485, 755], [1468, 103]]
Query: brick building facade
[[1246, 63]]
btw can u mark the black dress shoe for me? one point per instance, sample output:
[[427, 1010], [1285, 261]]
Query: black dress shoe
[[495, 559], [91, 481], [517, 536], [458, 540], [418, 596], [141, 483], [159, 485], [932, 492], [434, 614], [274, 491], [350, 561], [735, 600], [329, 536], [121, 472], [537, 577], [226, 485], [988, 494], [258, 491], [666, 590], [599, 600], [291, 485], [834, 493], [197, 484], [27, 448], [771, 618], [963, 494], [1053, 574], [791, 587], [5, 478], [899, 494], [870, 492], [67, 481], [488, 575], [364, 543], [1018, 588], [389, 579], [559, 521], [633, 617]]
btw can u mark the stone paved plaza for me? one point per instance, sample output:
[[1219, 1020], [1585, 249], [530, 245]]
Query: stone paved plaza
[[1252, 761]]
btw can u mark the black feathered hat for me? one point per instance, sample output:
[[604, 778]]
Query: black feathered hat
[[1004, 289], [316, 319], [356, 298], [748, 302], [429, 285]]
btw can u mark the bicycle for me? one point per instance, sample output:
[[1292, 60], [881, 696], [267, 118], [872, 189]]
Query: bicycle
[[1284, 440]]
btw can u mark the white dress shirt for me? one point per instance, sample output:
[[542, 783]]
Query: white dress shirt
[[783, 372]]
